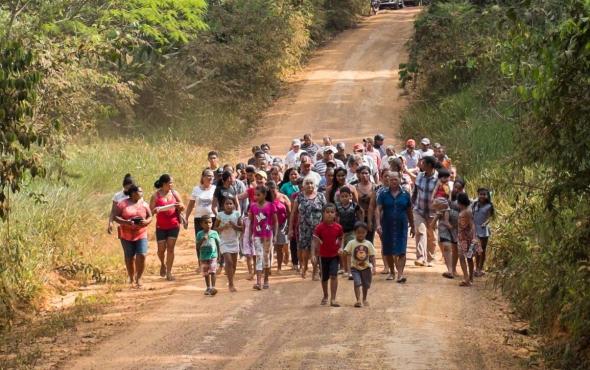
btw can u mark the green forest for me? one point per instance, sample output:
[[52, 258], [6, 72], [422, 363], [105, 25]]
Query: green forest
[[505, 85], [92, 88]]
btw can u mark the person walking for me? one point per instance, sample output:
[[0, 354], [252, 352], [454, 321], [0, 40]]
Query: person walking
[[133, 216], [424, 226], [202, 202], [393, 214], [119, 196], [282, 206], [307, 213], [167, 206]]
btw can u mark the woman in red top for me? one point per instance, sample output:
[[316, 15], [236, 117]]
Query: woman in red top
[[133, 216], [167, 206]]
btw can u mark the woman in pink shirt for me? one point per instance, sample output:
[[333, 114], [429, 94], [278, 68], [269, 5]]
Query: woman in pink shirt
[[264, 224], [133, 216], [167, 206]]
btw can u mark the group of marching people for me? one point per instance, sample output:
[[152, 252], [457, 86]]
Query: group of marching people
[[318, 204]]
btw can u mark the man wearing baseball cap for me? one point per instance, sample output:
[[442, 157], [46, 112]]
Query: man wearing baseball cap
[[378, 144], [411, 156], [327, 156], [426, 150], [292, 157]]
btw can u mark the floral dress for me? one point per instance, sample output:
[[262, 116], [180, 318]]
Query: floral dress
[[466, 236], [310, 215]]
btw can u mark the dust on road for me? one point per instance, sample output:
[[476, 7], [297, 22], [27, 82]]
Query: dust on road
[[349, 90]]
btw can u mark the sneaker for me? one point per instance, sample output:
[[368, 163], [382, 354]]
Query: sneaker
[[389, 277], [208, 291]]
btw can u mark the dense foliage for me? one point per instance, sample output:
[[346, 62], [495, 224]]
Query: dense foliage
[[506, 86]]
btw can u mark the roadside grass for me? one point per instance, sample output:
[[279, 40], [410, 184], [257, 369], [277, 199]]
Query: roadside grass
[[474, 133], [58, 228]]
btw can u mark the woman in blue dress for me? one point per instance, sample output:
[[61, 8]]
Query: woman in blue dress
[[394, 215]]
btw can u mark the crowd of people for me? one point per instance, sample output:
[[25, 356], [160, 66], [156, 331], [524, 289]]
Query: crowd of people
[[317, 205]]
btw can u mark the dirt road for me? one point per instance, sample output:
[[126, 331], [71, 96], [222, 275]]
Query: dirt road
[[348, 91]]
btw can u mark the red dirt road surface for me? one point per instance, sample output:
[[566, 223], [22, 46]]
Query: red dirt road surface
[[348, 91]]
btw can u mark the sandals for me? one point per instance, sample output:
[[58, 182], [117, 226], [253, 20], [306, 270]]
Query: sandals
[[464, 284], [169, 277], [402, 280], [256, 287], [358, 305], [213, 291], [389, 277], [324, 302], [265, 286], [334, 304], [448, 275]]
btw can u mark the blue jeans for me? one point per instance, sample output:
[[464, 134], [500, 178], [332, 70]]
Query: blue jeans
[[131, 248]]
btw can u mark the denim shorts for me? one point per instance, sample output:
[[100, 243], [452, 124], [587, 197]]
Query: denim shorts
[[163, 235], [131, 248], [362, 277]]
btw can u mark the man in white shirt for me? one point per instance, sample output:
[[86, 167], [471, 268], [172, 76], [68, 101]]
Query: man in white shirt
[[389, 152], [411, 156], [305, 168], [292, 157], [426, 150]]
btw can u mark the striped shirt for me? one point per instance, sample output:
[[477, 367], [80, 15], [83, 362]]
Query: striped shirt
[[321, 166], [423, 189]]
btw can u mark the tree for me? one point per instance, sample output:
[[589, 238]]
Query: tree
[[20, 138]]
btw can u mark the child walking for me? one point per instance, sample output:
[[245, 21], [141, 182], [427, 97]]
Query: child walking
[[447, 219], [264, 224], [207, 244], [229, 224], [362, 254], [483, 211], [348, 213], [328, 239], [468, 245]]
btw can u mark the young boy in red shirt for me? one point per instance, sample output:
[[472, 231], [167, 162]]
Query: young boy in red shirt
[[327, 238]]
